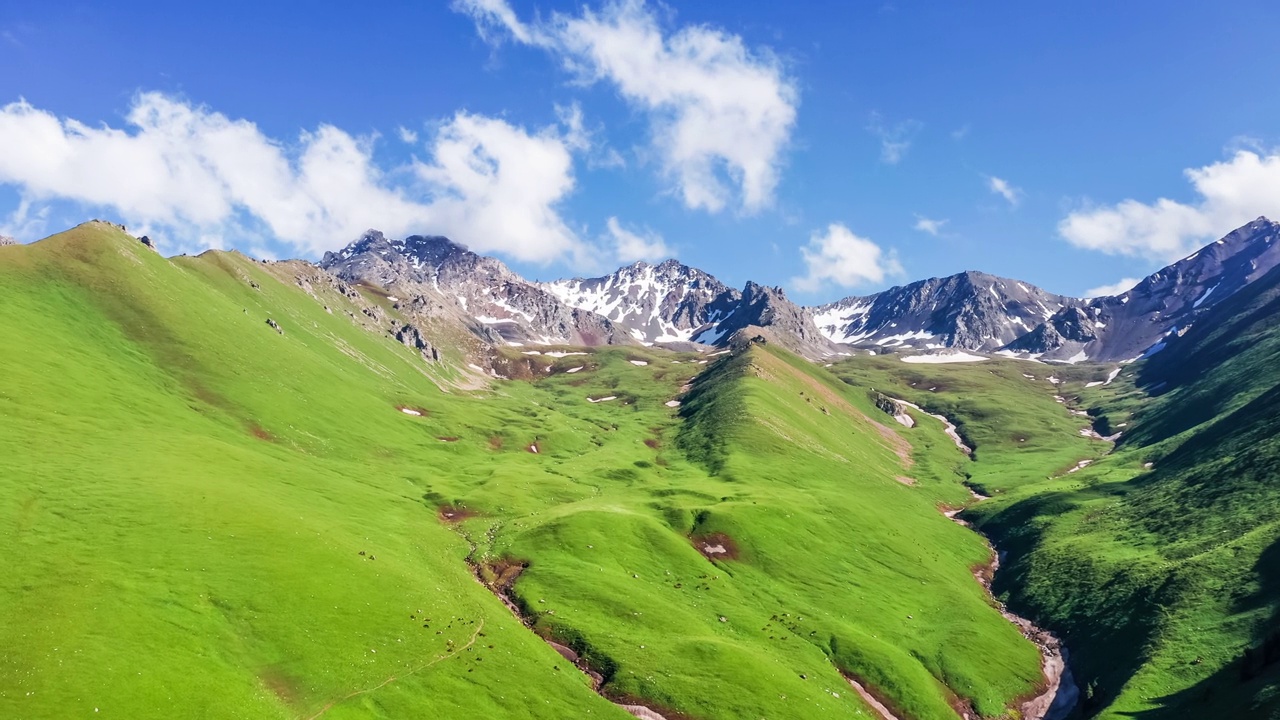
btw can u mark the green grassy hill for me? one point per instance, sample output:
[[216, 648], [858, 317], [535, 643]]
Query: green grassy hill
[[206, 515], [1157, 560]]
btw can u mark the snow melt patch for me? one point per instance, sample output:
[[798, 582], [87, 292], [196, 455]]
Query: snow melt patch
[[1205, 296], [640, 363], [410, 411], [960, 357], [575, 369], [606, 398], [672, 403]]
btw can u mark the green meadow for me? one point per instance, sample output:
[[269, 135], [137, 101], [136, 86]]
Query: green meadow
[[203, 516]]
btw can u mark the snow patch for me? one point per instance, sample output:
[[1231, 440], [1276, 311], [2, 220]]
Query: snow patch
[[960, 357]]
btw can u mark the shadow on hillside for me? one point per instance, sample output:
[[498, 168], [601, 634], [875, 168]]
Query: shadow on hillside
[[1248, 687]]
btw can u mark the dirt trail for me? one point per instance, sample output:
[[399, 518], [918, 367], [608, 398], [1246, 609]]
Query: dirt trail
[[884, 712], [329, 706]]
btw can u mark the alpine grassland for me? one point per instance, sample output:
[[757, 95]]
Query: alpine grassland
[[206, 514], [1152, 553]]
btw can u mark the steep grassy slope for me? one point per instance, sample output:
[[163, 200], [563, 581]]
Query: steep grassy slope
[[1157, 563], [205, 517]]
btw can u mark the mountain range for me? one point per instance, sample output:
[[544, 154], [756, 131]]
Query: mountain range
[[673, 304]]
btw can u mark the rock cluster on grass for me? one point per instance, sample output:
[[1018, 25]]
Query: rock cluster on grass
[[275, 326], [410, 336]]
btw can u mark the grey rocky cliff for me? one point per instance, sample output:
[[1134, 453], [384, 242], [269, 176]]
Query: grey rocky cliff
[[502, 305]]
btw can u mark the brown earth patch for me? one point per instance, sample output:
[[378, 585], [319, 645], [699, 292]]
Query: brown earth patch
[[447, 438], [642, 708], [715, 546], [411, 409], [285, 688], [905, 480], [500, 574], [495, 442], [261, 433], [455, 514], [652, 443]]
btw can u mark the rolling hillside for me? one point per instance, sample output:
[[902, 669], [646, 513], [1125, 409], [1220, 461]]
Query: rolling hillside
[[229, 492]]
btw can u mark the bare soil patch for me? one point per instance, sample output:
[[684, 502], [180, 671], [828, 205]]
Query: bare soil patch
[[715, 546], [261, 433], [447, 438], [495, 442], [455, 514]]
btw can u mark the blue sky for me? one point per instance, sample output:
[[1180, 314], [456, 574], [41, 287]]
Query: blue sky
[[833, 149]]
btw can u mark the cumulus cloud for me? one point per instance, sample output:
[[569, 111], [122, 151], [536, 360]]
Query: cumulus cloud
[[408, 136], [835, 255], [895, 139], [927, 225], [1001, 187], [1116, 288], [192, 175], [1229, 193], [631, 246], [720, 114]]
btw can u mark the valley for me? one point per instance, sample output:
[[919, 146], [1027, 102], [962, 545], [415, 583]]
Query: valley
[[236, 488]]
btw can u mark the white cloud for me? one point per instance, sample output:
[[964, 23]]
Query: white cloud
[[1230, 194], [836, 255], [631, 246], [896, 139], [720, 114], [1001, 187], [408, 136], [1116, 288], [497, 187], [190, 176], [933, 227]]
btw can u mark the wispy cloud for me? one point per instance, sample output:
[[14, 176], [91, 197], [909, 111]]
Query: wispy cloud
[[895, 138], [836, 256], [927, 225], [1116, 288], [1004, 189], [961, 133], [408, 136], [630, 246], [720, 114], [1229, 194]]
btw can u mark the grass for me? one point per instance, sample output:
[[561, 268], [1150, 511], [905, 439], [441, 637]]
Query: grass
[[206, 517], [1156, 563]]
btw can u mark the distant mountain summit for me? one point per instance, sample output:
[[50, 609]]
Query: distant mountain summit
[[483, 288], [971, 310], [673, 303], [667, 302], [976, 311]]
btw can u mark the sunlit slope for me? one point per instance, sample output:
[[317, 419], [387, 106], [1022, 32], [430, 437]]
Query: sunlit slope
[[205, 517], [841, 566], [186, 494]]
